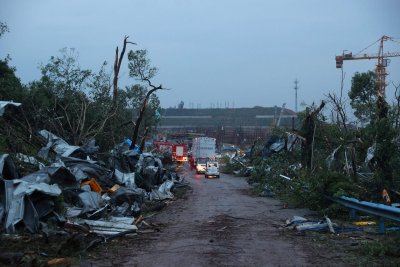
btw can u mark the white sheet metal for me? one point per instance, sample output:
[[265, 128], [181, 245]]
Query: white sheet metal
[[111, 226], [163, 191], [128, 179], [61, 147], [3, 105], [30, 160], [25, 188], [91, 201]]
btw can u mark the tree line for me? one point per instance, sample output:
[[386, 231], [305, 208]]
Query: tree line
[[79, 104]]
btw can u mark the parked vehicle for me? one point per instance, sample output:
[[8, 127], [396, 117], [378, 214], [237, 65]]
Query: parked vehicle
[[203, 147], [201, 164], [162, 146], [212, 169], [180, 152], [203, 150]]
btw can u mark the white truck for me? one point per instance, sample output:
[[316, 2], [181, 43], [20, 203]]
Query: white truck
[[203, 150]]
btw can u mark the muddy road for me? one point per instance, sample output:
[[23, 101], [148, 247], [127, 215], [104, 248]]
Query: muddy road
[[219, 224]]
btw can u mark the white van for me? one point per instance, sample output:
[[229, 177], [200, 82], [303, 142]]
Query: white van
[[212, 169], [201, 165]]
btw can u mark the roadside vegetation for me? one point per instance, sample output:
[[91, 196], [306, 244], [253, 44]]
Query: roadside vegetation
[[332, 157], [79, 104]]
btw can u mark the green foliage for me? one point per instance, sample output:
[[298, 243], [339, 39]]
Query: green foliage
[[135, 96], [387, 247], [363, 96], [10, 86], [306, 188], [65, 74], [75, 103], [229, 167], [139, 65], [3, 28], [140, 69]]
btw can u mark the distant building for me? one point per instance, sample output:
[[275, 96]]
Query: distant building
[[228, 125]]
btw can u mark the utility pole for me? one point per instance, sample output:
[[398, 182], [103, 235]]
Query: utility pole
[[296, 87]]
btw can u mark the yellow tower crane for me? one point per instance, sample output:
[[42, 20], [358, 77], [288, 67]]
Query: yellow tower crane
[[380, 68]]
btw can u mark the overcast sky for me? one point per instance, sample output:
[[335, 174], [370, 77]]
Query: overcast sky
[[210, 52]]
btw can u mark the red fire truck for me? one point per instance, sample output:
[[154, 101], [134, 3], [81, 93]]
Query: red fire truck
[[163, 146], [179, 152]]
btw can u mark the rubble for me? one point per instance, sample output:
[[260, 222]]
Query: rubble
[[111, 226], [302, 224], [57, 144], [77, 193]]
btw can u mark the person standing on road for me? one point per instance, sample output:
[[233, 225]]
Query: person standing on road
[[191, 162]]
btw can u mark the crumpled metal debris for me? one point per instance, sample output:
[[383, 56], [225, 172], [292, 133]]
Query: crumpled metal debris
[[7, 167], [30, 160], [302, 224], [370, 153], [163, 191], [89, 168], [127, 179], [292, 141], [90, 200], [129, 195], [89, 189], [110, 226], [329, 160], [277, 146], [19, 206], [57, 144], [4, 104]]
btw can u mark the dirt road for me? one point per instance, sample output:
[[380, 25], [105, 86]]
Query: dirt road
[[219, 224]]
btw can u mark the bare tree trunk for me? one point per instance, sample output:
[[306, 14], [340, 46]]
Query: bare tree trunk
[[141, 113], [384, 134], [339, 109], [308, 130], [117, 67], [338, 102], [143, 142], [353, 161]]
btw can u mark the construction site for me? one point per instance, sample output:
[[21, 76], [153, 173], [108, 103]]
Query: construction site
[[237, 126]]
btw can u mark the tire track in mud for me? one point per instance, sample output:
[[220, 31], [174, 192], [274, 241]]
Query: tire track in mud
[[219, 224]]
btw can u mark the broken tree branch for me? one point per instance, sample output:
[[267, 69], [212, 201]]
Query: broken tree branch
[[142, 110], [117, 67]]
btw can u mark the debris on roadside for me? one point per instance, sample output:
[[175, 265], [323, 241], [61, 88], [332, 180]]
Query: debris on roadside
[[364, 223], [302, 224], [75, 194], [4, 104], [267, 192]]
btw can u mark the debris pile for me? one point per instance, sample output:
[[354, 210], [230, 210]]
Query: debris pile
[[72, 191]]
